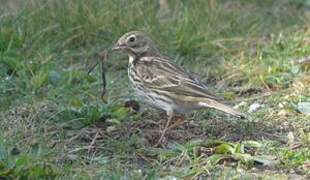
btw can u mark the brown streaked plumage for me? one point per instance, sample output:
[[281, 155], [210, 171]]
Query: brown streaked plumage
[[163, 84]]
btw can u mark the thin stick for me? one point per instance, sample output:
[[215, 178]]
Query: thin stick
[[92, 68], [103, 56], [92, 144]]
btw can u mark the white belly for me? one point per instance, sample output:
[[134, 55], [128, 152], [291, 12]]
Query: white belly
[[152, 100]]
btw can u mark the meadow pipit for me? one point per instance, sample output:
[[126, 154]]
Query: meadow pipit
[[161, 83]]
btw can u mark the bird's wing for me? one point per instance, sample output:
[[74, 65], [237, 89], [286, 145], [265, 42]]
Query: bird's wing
[[161, 74]]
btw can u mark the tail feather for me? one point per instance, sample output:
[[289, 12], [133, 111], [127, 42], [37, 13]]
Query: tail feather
[[222, 107]]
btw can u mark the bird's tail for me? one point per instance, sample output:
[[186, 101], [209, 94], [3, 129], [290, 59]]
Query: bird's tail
[[222, 107]]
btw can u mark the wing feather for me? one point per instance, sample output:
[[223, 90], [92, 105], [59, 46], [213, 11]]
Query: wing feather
[[161, 74]]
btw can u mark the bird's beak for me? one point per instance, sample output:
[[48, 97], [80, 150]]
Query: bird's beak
[[116, 47]]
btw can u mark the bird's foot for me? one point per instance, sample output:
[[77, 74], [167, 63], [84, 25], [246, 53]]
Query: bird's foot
[[178, 121], [162, 137]]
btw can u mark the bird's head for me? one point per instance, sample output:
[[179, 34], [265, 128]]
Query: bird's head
[[136, 43]]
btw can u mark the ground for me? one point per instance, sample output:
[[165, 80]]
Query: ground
[[54, 124]]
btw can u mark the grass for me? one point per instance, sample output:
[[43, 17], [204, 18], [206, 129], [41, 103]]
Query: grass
[[54, 124]]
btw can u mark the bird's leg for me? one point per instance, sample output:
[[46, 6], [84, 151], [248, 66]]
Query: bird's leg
[[170, 116], [178, 122]]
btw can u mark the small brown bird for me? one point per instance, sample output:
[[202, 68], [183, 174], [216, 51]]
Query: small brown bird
[[161, 83]]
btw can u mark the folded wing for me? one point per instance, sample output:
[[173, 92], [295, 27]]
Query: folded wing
[[162, 74]]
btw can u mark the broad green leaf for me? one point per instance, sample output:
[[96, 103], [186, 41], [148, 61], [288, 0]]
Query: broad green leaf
[[216, 158], [253, 144], [224, 149], [304, 107], [239, 148]]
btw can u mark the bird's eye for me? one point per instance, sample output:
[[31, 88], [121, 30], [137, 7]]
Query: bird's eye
[[132, 39]]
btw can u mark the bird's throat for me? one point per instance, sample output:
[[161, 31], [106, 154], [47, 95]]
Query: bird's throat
[[131, 59]]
